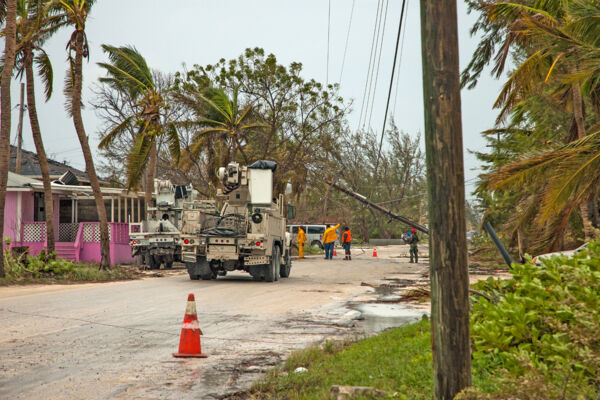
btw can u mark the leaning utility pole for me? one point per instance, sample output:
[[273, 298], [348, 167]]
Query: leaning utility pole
[[20, 131], [446, 187]]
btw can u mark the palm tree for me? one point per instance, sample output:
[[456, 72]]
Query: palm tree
[[8, 15], [35, 24], [563, 47], [128, 73], [221, 122], [571, 173], [76, 13]]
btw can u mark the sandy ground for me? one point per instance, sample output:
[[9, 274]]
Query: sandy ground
[[115, 340]]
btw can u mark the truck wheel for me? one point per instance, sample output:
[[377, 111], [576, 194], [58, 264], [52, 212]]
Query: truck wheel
[[287, 267], [272, 269], [316, 243], [209, 277], [154, 262], [168, 264]]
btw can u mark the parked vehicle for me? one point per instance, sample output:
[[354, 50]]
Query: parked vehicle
[[568, 253], [156, 240], [248, 233], [314, 234]]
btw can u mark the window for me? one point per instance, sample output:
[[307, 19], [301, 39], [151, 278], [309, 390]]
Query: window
[[295, 229], [316, 230]]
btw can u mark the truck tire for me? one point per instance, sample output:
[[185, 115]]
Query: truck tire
[[154, 262], [209, 277], [272, 269], [285, 269], [168, 263]]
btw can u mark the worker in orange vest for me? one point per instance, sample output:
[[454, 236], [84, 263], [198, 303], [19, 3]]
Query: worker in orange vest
[[346, 241], [301, 240]]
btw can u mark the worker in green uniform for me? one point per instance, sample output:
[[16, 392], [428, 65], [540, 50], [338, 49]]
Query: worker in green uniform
[[414, 251]]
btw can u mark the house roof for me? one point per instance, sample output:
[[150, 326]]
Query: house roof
[[30, 165], [16, 180], [19, 183]]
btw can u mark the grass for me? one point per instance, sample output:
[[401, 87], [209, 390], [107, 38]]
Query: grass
[[398, 361], [46, 269]]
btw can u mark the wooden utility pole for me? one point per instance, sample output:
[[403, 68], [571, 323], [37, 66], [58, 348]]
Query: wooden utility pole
[[20, 131], [446, 187]]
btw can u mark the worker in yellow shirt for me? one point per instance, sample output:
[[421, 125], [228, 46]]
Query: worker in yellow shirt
[[329, 238], [301, 240]]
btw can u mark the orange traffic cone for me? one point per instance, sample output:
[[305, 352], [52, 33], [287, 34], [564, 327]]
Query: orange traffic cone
[[374, 251], [334, 253], [189, 342]]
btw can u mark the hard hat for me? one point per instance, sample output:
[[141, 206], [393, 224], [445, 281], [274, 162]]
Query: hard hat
[[414, 230]]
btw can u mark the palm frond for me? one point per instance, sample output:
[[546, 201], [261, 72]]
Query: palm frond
[[127, 68], [137, 159], [173, 141], [110, 137], [44, 69]]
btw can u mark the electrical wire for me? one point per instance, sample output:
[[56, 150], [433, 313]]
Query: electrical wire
[[369, 100], [387, 106], [370, 60], [347, 39], [328, 34], [378, 63], [400, 59]]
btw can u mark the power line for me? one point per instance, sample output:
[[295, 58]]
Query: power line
[[370, 60], [328, 33], [378, 63], [347, 39], [387, 106], [369, 100], [400, 59]]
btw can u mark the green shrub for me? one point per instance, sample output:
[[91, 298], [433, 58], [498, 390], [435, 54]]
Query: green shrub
[[47, 267], [541, 327]]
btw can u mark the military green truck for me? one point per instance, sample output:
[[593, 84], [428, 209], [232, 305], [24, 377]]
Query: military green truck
[[246, 232]]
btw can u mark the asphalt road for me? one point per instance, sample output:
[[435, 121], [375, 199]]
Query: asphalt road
[[114, 340]]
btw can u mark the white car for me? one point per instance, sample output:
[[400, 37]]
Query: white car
[[568, 253]]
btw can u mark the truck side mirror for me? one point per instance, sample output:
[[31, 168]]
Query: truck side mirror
[[291, 212]]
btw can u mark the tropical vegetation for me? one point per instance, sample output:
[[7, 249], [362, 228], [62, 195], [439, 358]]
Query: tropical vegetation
[[544, 163]]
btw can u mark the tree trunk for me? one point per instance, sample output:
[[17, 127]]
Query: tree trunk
[[150, 175], [445, 182], [19, 159], [87, 153], [578, 110], [41, 153], [590, 232], [9, 62]]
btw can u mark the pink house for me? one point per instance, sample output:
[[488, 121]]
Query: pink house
[[75, 219]]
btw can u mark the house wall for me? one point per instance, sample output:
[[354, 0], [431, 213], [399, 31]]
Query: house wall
[[27, 206], [10, 217]]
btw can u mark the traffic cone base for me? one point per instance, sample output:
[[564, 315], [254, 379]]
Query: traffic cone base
[[189, 342]]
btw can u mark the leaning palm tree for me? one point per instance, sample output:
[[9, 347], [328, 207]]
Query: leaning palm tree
[[127, 72], [562, 42], [76, 13], [8, 16], [571, 173], [224, 126], [35, 24]]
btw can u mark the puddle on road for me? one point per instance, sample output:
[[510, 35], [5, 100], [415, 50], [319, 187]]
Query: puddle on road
[[378, 317]]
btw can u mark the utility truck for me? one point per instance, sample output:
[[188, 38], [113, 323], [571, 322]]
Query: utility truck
[[246, 232], [156, 240]]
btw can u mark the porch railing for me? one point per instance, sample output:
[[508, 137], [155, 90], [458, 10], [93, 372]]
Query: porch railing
[[33, 232]]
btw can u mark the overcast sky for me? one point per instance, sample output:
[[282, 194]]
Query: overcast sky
[[170, 33]]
